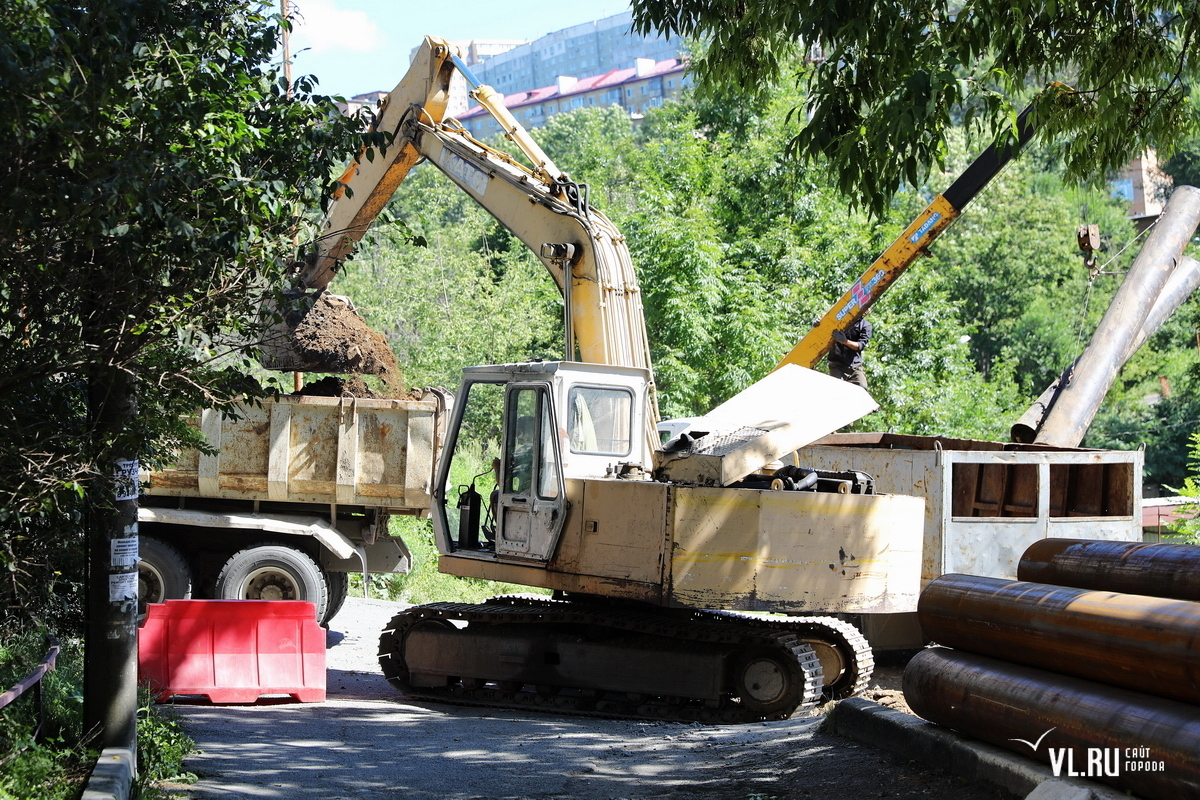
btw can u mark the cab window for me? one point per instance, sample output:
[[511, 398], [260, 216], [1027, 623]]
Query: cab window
[[600, 420], [529, 445]]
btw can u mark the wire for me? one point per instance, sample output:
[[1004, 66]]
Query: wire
[[1087, 300]]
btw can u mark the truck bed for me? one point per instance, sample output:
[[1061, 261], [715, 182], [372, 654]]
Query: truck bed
[[377, 453]]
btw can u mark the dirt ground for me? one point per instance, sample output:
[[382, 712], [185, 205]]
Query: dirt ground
[[367, 740]]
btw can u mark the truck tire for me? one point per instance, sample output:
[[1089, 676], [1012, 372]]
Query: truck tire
[[163, 573], [339, 590], [273, 571]]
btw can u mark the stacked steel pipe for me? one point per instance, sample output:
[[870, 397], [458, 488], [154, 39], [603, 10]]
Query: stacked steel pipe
[[1090, 661]]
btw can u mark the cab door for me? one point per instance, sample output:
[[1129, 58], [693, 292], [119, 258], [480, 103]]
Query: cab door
[[532, 496]]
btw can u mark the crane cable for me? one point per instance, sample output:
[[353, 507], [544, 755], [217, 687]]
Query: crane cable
[[1087, 299]]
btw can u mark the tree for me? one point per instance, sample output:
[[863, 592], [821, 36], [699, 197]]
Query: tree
[[156, 173], [886, 82], [1188, 529]]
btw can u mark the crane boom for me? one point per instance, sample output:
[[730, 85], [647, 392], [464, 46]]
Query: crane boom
[[902, 253]]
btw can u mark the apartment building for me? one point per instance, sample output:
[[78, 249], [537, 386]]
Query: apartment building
[[645, 85], [590, 48]]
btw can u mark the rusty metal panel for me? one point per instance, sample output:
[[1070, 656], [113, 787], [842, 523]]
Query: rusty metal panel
[[615, 529], [795, 551], [323, 450]]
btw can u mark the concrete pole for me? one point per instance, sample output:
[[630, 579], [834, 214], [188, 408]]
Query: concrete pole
[[1080, 397], [110, 644]]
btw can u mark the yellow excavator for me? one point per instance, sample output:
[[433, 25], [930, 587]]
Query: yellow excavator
[[697, 580]]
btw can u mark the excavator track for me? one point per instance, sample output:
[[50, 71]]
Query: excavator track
[[847, 662], [615, 660]]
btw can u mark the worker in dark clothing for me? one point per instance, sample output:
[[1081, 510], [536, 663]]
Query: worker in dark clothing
[[845, 357]]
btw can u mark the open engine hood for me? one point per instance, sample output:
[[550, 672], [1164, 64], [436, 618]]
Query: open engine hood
[[786, 410]]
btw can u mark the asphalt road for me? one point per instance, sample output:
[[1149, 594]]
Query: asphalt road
[[369, 741]]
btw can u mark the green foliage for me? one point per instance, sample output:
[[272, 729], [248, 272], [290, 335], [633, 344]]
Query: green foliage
[[156, 171], [887, 82], [162, 745], [54, 767], [1011, 266], [1189, 529], [41, 771], [473, 295]]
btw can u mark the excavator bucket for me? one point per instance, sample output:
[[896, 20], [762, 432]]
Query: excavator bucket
[[323, 332]]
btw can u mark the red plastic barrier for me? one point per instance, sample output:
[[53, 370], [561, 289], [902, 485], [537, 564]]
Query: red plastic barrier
[[233, 651]]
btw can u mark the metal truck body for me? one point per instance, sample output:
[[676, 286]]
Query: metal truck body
[[986, 502], [319, 476]]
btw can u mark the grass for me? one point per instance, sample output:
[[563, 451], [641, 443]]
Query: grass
[[57, 767], [423, 583]]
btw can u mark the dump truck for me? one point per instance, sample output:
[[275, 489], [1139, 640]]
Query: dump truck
[[295, 494]]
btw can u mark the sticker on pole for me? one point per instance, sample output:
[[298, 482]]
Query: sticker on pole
[[125, 477], [124, 552], [122, 587]]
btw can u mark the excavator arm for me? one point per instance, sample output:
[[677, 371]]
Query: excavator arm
[[582, 250]]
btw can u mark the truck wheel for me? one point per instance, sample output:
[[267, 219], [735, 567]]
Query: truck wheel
[[163, 573], [339, 590], [273, 571]]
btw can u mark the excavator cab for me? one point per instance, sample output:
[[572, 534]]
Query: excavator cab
[[519, 432]]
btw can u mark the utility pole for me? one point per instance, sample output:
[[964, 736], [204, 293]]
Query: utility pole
[[110, 643]]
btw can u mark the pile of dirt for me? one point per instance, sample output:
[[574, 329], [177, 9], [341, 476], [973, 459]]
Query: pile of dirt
[[332, 337], [891, 698], [336, 386]]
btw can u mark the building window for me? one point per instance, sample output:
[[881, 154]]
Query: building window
[[629, 92], [670, 84]]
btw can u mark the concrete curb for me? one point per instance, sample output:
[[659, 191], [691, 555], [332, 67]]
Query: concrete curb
[[903, 734], [112, 777]]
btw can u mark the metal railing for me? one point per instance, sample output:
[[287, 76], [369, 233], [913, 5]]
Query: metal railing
[[33, 681]]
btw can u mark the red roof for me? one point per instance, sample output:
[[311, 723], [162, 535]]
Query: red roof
[[614, 77]]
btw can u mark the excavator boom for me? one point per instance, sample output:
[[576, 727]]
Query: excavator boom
[[582, 250]]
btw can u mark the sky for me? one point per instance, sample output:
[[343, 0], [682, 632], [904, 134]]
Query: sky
[[357, 46]]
